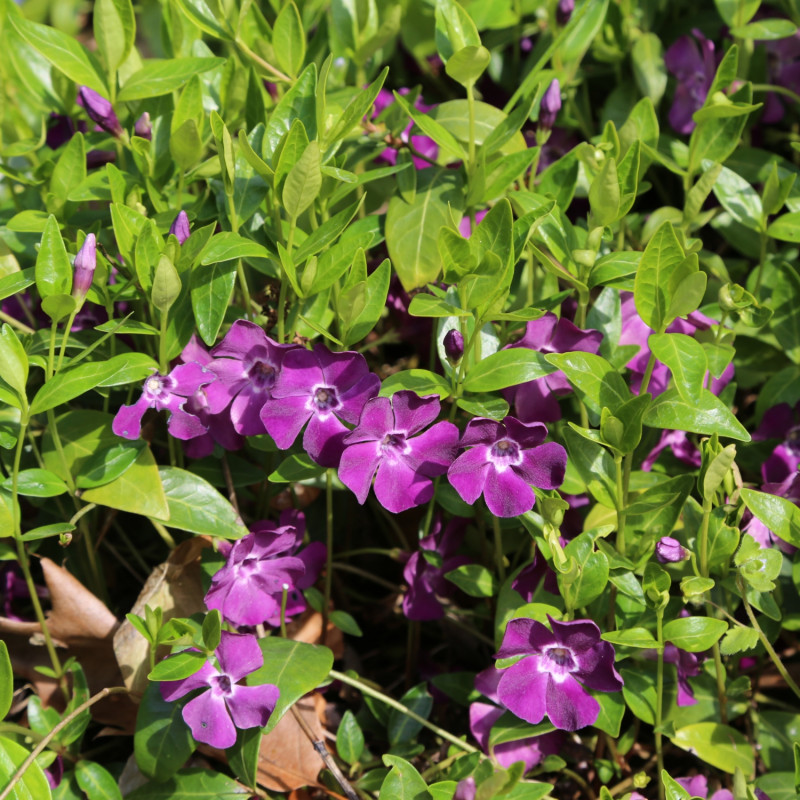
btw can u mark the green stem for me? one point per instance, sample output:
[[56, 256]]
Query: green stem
[[369, 551], [776, 660], [284, 598], [65, 339], [660, 697], [621, 505], [329, 554], [163, 361], [703, 536], [766, 87], [498, 549], [15, 323], [392, 703], [242, 276], [471, 142], [762, 258], [275, 73]]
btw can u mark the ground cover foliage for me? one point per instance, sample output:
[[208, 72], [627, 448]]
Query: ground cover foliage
[[399, 399]]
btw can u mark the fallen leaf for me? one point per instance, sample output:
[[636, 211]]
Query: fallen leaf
[[176, 587], [81, 626], [308, 628]]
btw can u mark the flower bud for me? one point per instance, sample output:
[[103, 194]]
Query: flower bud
[[453, 345], [99, 110], [564, 11], [143, 126], [84, 266], [550, 105], [670, 551], [180, 227]]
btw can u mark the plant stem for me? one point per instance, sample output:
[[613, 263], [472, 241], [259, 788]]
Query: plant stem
[[276, 73], [392, 703], [660, 698], [498, 549], [703, 535]]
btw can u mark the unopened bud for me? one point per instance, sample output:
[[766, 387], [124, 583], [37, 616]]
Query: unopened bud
[[143, 126], [670, 551], [99, 110], [180, 227], [453, 345], [550, 105], [83, 268], [564, 11]]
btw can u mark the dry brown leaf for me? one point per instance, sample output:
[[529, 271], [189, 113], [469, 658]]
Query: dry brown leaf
[[83, 627], [308, 628], [176, 587], [287, 759]]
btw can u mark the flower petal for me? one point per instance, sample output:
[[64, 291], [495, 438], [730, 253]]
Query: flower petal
[[323, 439], [467, 474], [251, 706], [172, 690], [128, 420], [209, 720], [522, 690], [375, 421], [524, 636], [506, 493], [412, 413], [569, 705], [398, 486], [358, 465], [284, 418], [239, 654]]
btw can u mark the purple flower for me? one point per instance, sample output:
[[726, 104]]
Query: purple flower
[[55, 772], [248, 590], [99, 110], [465, 226], [324, 389], [670, 551], [180, 227], [422, 144], [453, 345], [166, 392], [681, 446], [687, 665], [246, 363], [503, 461], [694, 68], [536, 401], [13, 587], [697, 786], [780, 422], [564, 11], [555, 670], [389, 444], [426, 582], [783, 65], [482, 716], [143, 126], [550, 105], [84, 267], [224, 704], [530, 577]]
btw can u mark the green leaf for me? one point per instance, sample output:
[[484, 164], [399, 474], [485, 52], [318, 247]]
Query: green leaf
[[211, 289], [53, 270], [738, 198], [162, 742], [474, 579], [694, 634], [196, 506], [431, 128], [345, 622], [299, 103], [32, 785], [303, 182], [465, 66], [349, 738], [70, 169], [229, 246], [243, 756], [422, 381], [185, 144], [178, 666], [661, 258], [192, 784], [58, 306], [166, 284], [6, 680], [455, 29], [454, 116], [13, 360], [719, 745], [509, 728], [593, 377], [289, 40], [114, 31], [685, 358], [737, 12], [581, 31], [765, 30], [47, 531], [401, 728], [16, 282], [507, 368], [208, 16], [403, 781], [738, 640], [631, 637], [647, 59], [96, 781], [62, 51], [294, 667], [371, 298], [298, 467], [604, 194], [785, 322], [427, 305], [37, 483], [786, 227], [412, 229], [588, 575], [594, 465], [708, 416], [781, 516]]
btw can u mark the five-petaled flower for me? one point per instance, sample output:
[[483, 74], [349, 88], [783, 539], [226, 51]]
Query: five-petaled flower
[[503, 461], [390, 443], [224, 704], [556, 668]]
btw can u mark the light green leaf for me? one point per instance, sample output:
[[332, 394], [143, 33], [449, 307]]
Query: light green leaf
[[403, 781], [96, 781], [162, 76], [694, 634], [719, 745], [507, 368], [6, 680], [114, 31], [685, 358], [53, 270], [32, 785], [303, 182], [647, 58], [474, 579], [781, 516], [289, 40], [661, 258], [708, 416]]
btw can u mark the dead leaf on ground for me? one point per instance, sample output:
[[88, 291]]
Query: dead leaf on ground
[[176, 587], [308, 628], [83, 627]]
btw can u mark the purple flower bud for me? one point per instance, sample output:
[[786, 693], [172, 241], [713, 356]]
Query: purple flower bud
[[550, 106], [99, 110], [143, 126], [84, 266], [180, 227], [564, 11], [453, 345], [669, 550]]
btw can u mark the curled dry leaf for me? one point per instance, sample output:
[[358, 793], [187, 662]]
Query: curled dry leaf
[[83, 627]]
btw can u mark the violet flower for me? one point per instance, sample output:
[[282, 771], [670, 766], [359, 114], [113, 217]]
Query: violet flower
[[323, 389], [84, 267], [453, 345], [180, 227], [783, 66], [426, 582], [550, 106], [248, 590], [556, 668], [694, 69], [697, 786], [246, 363], [503, 461], [564, 11], [390, 443], [465, 225], [536, 401], [143, 127], [422, 144], [531, 576], [670, 551], [224, 704], [13, 587], [687, 666], [166, 392], [99, 110], [482, 716]]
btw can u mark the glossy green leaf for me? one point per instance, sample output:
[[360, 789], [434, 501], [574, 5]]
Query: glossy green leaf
[[738, 198], [403, 781], [211, 291], [196, 506], [786, 227], [70, 169], [13, 360], [785, 322], [192, 784], [294, 667], [708, 416], [719, 745], [661, 258], [6, 681], [298, 467], [593, 377], [474, 579], [781, 516], [289, 40], [401, 727], [454, 29], [507, 368], [694, 634], [303, 182], [686, 360], [647, 59], [427, 305], [166, 284], [422, 381], [369, 304], [765, 30], [178, 666], [594, 465], [582, 30], [114, 31], [37, 482], [208, 16], [33, 784], [96, 781], [299, 102], [349, 738], [467, 64], [589, 576], [47, 531], [631, 637], [604, 194], [53, 269]]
